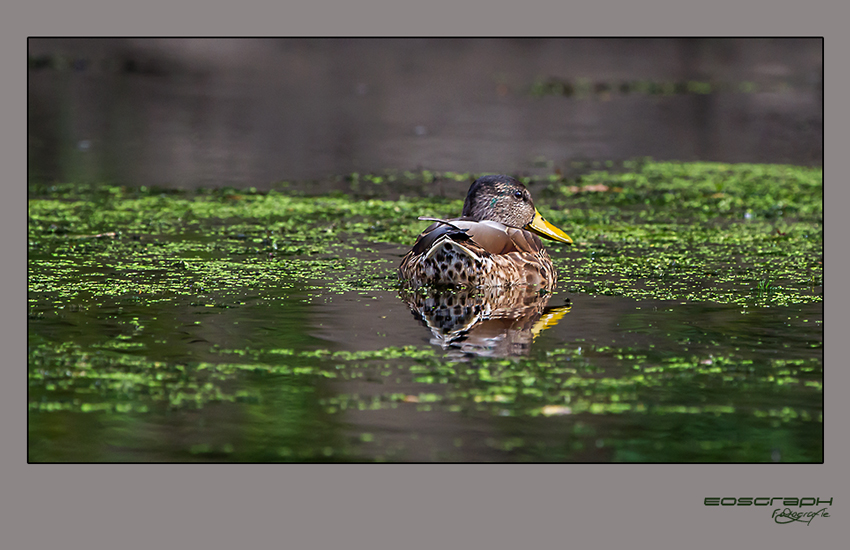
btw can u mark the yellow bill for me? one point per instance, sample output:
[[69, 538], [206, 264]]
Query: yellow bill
[[546, 229]]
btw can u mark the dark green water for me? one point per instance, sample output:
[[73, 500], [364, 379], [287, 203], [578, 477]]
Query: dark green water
[[239, 326]]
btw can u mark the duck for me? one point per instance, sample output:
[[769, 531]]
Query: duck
[[495, 243]]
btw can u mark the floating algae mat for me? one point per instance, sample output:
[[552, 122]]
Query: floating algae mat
[[232, 325]]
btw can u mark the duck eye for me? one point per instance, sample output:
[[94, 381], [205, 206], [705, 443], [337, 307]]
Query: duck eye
[[518, 194]]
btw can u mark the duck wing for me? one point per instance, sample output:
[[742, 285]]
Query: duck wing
[[499, 239], [488, 236]]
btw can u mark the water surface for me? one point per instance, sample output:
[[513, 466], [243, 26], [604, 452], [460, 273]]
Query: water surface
[[239, 326]]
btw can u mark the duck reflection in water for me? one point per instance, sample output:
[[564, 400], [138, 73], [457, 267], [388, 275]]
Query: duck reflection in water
[[493, 261], [487, 322]]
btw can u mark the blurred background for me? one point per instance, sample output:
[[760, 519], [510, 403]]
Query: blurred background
[[188, 113]]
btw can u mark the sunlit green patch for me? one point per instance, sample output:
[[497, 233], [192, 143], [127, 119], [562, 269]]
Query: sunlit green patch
[[744, 234]]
